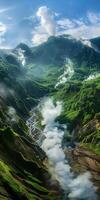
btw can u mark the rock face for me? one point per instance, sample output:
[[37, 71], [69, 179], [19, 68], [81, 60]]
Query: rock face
[[83, 160]]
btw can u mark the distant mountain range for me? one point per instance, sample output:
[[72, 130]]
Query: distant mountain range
[[52, 54]]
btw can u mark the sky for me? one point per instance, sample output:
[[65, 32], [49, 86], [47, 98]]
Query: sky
[[33, 21]]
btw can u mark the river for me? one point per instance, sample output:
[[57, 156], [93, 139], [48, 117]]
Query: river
[[50, 137], [75, 187]]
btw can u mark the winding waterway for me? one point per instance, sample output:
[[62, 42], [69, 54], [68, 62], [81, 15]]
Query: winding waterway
[[75, 187], [50, 139]]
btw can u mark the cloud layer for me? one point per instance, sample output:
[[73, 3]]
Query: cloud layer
[[49, 24], [46, 27], [36, 29]]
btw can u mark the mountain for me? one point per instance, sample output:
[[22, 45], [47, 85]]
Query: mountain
[[57, 49], [51, 56], [96, 43], [81, 109], [54, 53], [22, 171], [67, 70]]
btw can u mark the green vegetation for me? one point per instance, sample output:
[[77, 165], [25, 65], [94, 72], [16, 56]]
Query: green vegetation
[[81, 110], [92, 147], [22, 174]]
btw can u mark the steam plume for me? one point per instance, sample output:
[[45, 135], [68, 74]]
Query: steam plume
[[80, 187]]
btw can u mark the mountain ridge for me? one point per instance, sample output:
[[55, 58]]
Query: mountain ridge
[[21, 89]]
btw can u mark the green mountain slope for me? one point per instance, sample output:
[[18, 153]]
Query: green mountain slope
[[82, 111], [50, 57], [23, 172]]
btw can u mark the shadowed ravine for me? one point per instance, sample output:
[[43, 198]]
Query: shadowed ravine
[[75, 187]]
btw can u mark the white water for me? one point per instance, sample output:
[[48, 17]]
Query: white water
[[32, 123], [21, 57], [67, 75], [75, 188]]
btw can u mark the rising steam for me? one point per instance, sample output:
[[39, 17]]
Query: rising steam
[[5, 91], [80, 187], [21, 57], [68, 73]]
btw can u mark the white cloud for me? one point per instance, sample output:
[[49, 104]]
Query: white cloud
[[65, 23], [83, 31], [50, 23], [3, 10], [39, 38], [46, 27], [78, 22], [93, 18], [3, 29], [81, 28], [47, 21]]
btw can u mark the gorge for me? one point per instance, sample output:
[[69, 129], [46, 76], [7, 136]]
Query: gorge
[[50, 121]]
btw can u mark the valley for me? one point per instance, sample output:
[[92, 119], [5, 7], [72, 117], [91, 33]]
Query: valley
[[50, 121]]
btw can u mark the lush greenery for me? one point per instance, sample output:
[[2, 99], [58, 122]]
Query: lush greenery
[[22, 172], [81, 110]]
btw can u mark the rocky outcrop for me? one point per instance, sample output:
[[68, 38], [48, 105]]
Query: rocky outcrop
[[84, 160]]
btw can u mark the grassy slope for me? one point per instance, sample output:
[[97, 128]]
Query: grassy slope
[[21, 163], [82, 111], [22, 173]]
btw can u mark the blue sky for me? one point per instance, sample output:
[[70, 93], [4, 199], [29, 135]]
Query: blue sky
[[33, 21]]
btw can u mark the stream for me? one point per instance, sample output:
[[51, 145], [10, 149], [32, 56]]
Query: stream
[[50, 140]]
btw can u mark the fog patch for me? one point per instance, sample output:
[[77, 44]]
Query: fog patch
[[5, 91], [12, 114]]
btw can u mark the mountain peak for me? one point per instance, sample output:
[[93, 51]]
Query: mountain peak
[[22, 46], [25, 48]]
